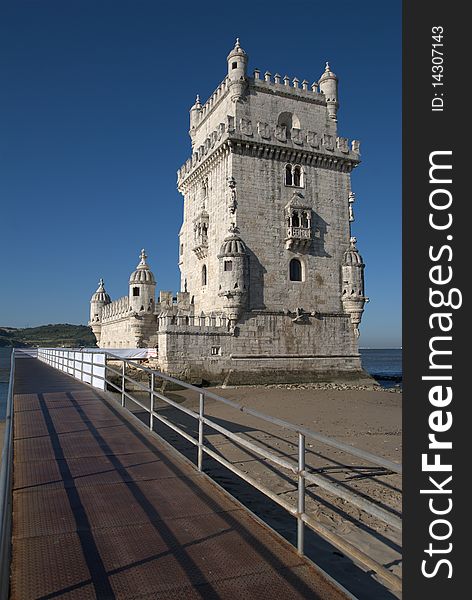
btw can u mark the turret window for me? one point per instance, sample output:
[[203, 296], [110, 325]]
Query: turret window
[[294, 176], [135, 291], [234, 65], [295, 270], [204, 275], [228, 265]]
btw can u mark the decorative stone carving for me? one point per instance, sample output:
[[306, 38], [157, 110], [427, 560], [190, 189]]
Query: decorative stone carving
[[232, 202], [351, 200], [246, 126], [264, 130], [312, 139], [297, 136], [342, 144], [230, 124], [328, 142], [356, 146], [281, 133]]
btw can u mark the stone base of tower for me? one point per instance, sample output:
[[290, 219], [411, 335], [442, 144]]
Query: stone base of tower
[[265, 348], [257, 370]]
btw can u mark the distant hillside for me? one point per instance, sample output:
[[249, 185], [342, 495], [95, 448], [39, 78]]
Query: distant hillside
[[60, 335]]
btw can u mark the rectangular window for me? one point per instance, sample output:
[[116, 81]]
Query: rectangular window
[[135, 291], [228, 265], [216, 350]]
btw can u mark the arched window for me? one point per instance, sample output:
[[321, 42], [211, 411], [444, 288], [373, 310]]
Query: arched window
[[204, 275], [295, 270], [289, 120], [295, 219], [294, 175], [288, 175]]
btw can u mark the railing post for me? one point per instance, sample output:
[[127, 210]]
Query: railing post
[[200, 431], [151, 416], [123, 383], [301, 494]]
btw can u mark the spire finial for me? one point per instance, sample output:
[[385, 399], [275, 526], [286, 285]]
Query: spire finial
[[327, 66], [143, 256], [237, 44], [101, 283]]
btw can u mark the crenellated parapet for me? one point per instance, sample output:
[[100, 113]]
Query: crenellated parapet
[[117, 309], [178, 321], [288, 86]]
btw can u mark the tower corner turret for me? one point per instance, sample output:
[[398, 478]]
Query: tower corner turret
[[237, 67]]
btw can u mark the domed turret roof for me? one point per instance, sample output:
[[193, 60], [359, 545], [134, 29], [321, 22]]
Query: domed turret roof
[[198, 104], [233, 244], [328, 74], [101, 294], [142, 274], [352, 256], [237, 50]]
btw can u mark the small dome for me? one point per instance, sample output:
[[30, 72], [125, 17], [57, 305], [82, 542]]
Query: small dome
[[328, 74], [233, 245], [197, 105], [237, 50], [142, 274], [352, 256], [101, 294]]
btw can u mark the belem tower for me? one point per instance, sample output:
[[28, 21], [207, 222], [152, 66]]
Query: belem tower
[[272, 284]]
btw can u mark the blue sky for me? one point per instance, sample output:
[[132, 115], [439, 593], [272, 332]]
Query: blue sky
[[94, 100]]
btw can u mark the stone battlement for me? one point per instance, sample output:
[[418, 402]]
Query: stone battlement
[[287, 85], [116, 309], [219, 323]]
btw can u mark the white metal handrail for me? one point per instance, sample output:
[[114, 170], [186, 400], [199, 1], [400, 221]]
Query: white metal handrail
[[6, 489], [96, 372]]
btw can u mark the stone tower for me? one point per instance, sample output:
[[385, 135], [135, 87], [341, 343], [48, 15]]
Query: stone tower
[[272, 283], [99, 300], [267, 163]]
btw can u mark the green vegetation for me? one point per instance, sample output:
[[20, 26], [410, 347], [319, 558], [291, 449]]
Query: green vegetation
[[53, 336]]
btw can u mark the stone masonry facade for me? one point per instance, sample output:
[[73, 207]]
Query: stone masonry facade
[[272, 283]]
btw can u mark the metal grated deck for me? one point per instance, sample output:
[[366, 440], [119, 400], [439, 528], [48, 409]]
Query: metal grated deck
[[103, 510]]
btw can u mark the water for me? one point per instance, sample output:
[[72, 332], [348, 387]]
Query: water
[[385, 365]]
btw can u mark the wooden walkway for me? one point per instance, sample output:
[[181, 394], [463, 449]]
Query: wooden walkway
[[102, 509]]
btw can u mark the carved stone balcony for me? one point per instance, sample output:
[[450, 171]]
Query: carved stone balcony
[[201, 249], [298, 239], [200, 230]]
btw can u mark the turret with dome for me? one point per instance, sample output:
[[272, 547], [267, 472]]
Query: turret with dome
[[142, 286]]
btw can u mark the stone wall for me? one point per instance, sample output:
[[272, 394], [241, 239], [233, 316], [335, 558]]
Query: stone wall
[[264, 347]]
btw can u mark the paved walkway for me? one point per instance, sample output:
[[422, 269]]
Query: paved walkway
[[104, 510]]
